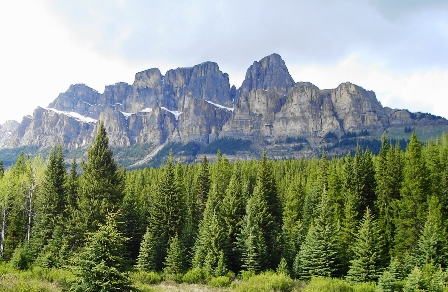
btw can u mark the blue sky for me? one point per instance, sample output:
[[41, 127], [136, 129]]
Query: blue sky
[[398, 50]]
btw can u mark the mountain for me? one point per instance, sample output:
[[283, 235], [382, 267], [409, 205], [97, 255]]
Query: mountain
[[195, 110]]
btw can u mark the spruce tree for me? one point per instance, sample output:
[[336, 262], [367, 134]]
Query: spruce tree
[[174, 261], [166, 212], [101, 184], [411, 209], [293, 229], [51, 203], [253, 242], [101, 265], [318, 255], [202, 186], [146, 260], [366, 264], [232, 212], [432, 245]]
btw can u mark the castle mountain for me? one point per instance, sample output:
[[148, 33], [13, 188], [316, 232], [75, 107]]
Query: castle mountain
[[197, 105]]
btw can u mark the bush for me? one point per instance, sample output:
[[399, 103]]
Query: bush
[[195, 276], [319, 284], [221, 281], [173, 277], [20, 259], [268, 281], [246, 275], [150, 278], [364, 287]]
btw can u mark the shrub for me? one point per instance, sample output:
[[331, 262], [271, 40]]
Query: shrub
[[268, 281], [195, 276], [364, 287], [319, 284], [150, 278], [221, 281], [20, 259], [246, 275]]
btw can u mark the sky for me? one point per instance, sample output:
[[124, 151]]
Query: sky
[[398, 49]]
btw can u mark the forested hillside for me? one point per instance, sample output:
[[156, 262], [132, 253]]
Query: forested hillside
[[362, 218]]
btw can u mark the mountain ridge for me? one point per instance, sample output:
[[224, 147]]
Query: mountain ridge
[[197, 104]]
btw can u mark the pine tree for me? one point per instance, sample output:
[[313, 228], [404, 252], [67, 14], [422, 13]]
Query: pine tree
[[51, 203], [166, 212], [318, 255], [366, 264], [232, 212], [252, 239], [202, 186], [101, 265], [146, 260], [293, 229], [101, 185], [432, 245], [412, 208], [414, 281], [174, 260]]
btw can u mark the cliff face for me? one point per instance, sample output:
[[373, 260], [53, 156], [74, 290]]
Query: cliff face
[[197, 104]]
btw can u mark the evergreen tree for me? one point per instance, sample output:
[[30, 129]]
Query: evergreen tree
[[202, 187], [313, 197], [432, 245], [252, 240], [350, 216], [232, 212], [175, 257], [146, 260], [166, 212], [2, 169], [388, 177], [51, 204], [318, 255], [293, 229], [366, 264], [101, 265], [411, 209], [71, 188], [101, 184]]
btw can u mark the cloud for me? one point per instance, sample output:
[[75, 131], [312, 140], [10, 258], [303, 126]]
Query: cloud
[[381, 42]]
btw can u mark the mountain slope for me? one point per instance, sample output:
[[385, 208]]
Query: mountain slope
[[197, 105]]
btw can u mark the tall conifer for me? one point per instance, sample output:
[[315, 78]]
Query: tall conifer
[[101, 184], [412, 208]]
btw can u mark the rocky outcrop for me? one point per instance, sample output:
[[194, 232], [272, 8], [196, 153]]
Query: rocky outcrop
[[6, 131], [197, 104]]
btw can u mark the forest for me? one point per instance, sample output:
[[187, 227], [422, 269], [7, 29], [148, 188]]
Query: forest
[[361, 222]]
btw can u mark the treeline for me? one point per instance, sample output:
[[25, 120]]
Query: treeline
[[363, 217]]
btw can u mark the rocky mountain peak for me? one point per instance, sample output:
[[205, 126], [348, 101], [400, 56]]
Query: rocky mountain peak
[[270, 73], [148, 78]]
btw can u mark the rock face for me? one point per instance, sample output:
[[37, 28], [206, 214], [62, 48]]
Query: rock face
[[197, 104]]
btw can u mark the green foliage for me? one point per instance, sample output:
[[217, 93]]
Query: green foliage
[[283, 267], [174, 258], [364, 287], [100, 266], [318, 255], [412, 208], [319, 284], [267, 281], [221, 281], [21, 258], [227, 146], [366, 264], [195, 276], [150, 278], [101, 186]]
